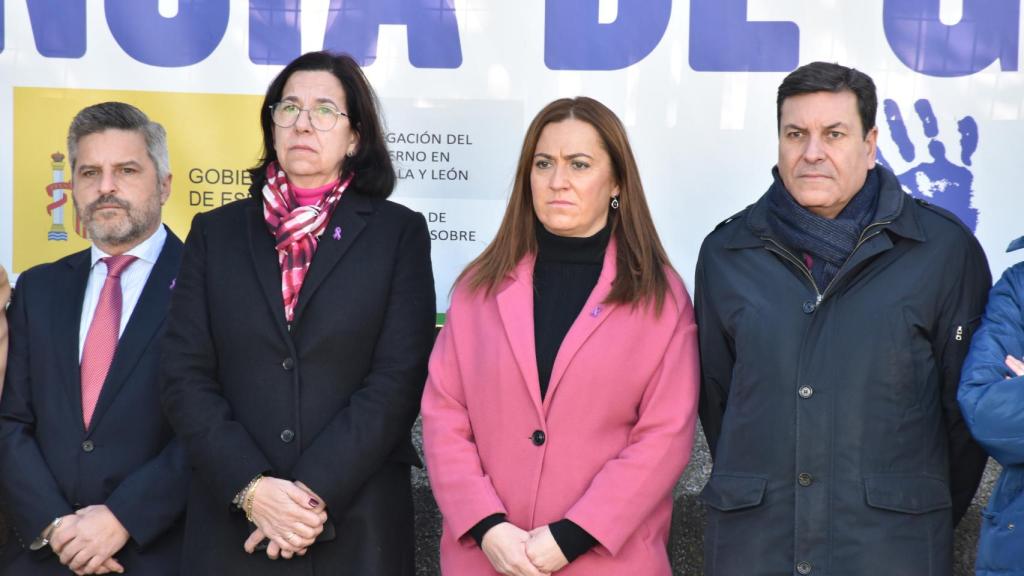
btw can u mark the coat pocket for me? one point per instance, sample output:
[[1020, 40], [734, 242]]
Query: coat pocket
[[727, 492], [1002, 526], [907, 493], [1008, 491]]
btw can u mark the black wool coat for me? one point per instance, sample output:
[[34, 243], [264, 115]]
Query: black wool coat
[[329, 400], [831, 412]]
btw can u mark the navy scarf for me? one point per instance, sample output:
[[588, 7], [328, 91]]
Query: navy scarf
[[828, 241]]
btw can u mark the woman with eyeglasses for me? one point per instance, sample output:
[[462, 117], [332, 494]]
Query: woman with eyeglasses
[[296, 350]]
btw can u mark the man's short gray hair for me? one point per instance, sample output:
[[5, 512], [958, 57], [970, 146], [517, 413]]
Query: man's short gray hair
[[120, 116]]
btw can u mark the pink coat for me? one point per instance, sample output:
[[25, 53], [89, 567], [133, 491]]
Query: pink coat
[[618, 422]]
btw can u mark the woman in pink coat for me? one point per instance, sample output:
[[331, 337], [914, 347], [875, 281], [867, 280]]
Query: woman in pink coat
[[560, 407]]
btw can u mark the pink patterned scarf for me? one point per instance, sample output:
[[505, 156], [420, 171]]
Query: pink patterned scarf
[[296, 228]]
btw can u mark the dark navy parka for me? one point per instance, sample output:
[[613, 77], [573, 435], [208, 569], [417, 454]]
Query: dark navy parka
[[831, 412]]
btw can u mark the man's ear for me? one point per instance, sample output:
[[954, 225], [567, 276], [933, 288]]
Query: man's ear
[[871, 142]]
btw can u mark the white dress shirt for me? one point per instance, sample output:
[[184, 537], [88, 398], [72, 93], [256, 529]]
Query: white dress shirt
[[133, 280]]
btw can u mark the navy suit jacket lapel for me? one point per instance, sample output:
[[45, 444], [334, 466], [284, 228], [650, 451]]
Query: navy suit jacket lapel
[[148, 316], [67, 320]]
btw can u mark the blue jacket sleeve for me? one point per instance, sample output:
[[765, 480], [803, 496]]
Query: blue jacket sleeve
[[993, 402]]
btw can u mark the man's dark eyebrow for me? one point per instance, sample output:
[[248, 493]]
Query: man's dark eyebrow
[[802, 129], [82, 167]]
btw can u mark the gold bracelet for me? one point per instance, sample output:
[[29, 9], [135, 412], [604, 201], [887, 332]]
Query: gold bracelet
[[250, 494], [239, 500]]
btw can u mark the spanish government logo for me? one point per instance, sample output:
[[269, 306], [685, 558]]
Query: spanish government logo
[[56, 191]]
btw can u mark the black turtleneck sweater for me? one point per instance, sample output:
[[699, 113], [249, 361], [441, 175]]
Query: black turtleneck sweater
[[564, 275]]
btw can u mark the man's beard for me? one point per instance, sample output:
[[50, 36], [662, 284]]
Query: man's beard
[[122, 229]]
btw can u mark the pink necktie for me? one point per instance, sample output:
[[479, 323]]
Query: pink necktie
[[101, 340]]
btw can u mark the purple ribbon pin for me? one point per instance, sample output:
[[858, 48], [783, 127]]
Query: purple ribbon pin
[[596, 311], [337, 232], [173, 282]]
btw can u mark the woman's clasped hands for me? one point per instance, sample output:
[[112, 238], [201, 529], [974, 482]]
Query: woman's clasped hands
[[513, 551], [288, 514]]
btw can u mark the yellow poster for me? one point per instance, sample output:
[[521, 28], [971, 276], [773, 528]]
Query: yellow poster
[[212, 140]]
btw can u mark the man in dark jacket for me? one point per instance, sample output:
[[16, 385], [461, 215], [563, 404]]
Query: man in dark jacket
[[834, 315], [93, 481]]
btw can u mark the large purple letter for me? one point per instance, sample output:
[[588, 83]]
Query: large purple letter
[[722, 40], [574, 39], [986, 32], [58, 27], [275, 36], [183, 40], [431, 26]]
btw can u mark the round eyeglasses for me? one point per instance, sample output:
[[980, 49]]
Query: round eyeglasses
[[323, 117]]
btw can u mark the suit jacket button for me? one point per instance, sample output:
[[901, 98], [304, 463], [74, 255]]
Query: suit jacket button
[[287, 363], [804, 568], [804, 479], [809, 306], [806, 391], [538, 437], [287, 436], [87, 446]]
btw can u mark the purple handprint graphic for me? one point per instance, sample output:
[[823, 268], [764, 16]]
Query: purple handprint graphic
[[940, 181]]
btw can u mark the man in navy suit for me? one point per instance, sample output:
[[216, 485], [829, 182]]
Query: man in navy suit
[[92, 478]]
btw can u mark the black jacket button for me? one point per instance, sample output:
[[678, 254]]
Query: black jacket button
[[287, 436], [538, 437], [809, 306], [287, 363], [87, 446]]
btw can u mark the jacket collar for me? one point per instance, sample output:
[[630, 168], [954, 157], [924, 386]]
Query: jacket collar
[[896, 213], [345, 225], [146, 319], [67, 319], [515, 306], [143, 327]]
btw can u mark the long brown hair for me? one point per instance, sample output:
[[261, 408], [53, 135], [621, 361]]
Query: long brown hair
[[640, 258]]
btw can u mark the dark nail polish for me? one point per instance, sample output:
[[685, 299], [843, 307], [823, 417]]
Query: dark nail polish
[[313, 502]]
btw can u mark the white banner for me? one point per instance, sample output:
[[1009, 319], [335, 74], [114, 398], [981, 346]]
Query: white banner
[[694, 82]]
